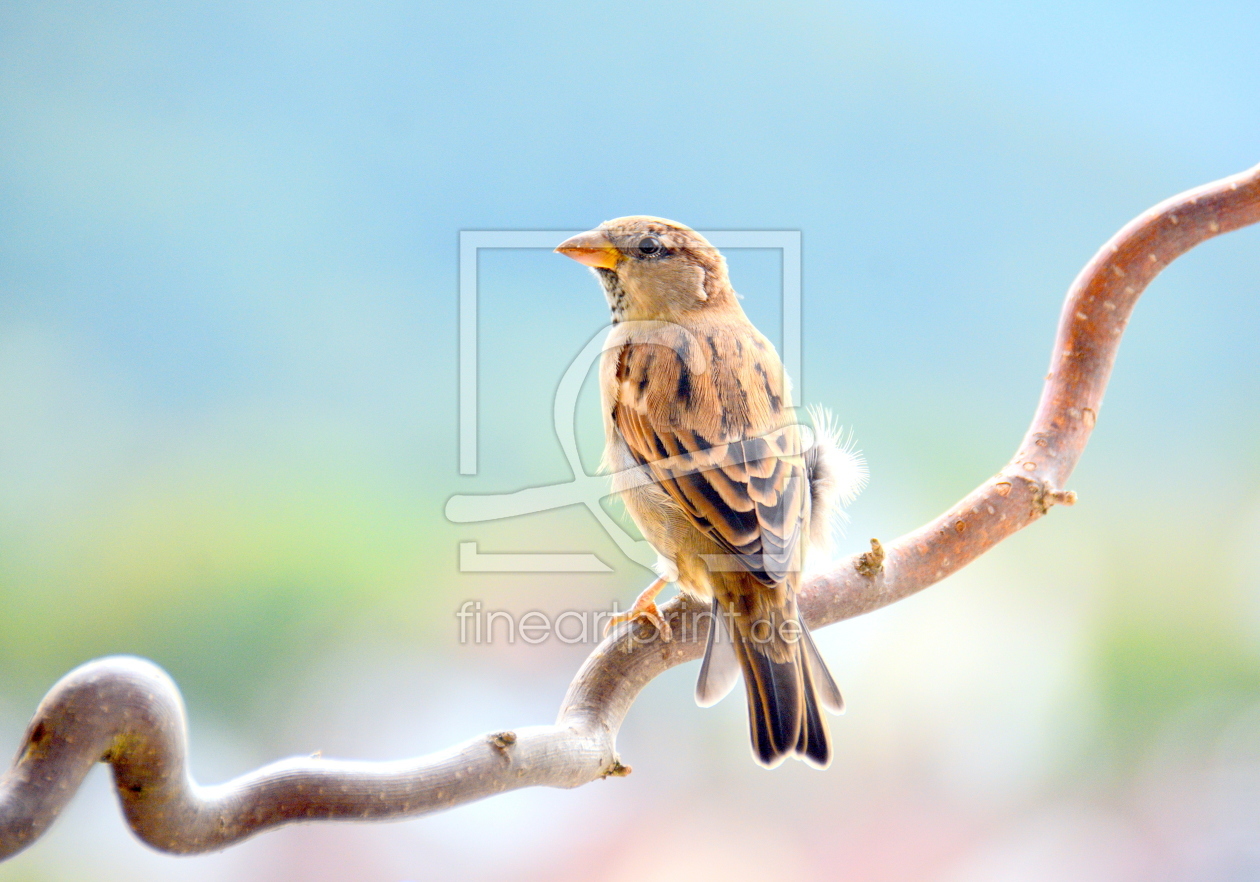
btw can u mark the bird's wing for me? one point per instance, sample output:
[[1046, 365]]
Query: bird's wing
[[695, 432]]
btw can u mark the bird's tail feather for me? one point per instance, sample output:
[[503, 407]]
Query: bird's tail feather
[[787, 683], [776, 703]]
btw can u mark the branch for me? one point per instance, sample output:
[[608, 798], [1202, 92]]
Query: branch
[[127, 712]]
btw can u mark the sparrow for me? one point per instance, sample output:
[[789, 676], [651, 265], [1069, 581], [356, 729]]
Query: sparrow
[[704, 449]]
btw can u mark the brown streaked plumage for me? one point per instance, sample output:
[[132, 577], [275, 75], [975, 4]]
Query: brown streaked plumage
[[704, 448]]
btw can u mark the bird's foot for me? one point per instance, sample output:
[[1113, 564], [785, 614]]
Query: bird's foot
[[644, 608]]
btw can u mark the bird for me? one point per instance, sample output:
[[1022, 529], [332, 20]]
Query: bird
[[704, 448]]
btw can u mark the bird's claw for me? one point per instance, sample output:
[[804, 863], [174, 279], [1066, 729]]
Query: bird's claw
[[642, 610]]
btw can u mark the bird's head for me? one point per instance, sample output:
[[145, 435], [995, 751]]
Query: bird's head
[[653, 269]]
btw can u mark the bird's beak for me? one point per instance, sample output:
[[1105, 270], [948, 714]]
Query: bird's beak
[[592, 249]]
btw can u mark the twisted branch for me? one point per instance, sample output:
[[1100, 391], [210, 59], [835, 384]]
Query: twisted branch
[[127, 712]]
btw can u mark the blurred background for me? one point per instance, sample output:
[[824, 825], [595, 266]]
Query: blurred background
[[228, 414]]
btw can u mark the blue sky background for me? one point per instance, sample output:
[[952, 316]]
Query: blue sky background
[[228, 377]]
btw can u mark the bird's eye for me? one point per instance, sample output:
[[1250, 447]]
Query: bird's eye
[[650, 246]]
